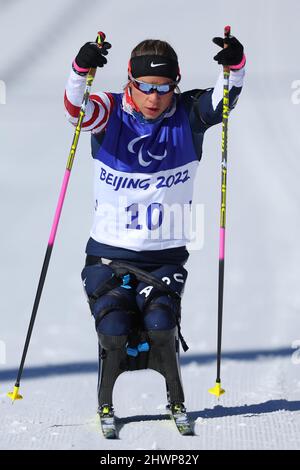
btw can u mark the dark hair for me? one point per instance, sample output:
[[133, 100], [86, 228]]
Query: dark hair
[[154, 47]]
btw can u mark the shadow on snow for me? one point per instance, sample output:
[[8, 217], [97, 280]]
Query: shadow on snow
[[218, 411], [87, 367]]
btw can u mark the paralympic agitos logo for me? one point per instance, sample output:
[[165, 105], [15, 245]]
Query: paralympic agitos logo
[[141, 159]]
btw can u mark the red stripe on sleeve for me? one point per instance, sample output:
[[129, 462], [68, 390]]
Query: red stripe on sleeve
[[72, 110], [101, 102], [93, 118], [107, 111]]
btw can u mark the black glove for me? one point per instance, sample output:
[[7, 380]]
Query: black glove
[[92, 55], [233, 54]]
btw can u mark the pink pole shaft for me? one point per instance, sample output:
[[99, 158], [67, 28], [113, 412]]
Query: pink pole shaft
[[59, 207], [222, 243]]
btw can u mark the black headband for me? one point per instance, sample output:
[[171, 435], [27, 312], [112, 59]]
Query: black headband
[[155, 65]]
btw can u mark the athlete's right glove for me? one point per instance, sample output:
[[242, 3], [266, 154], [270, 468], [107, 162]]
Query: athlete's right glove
[[233, 55], [91, 55]]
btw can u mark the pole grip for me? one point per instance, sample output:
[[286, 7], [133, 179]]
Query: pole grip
[[227, 32]]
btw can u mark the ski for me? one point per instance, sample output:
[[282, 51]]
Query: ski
[[179, 415], [107, 422], [177, 412]]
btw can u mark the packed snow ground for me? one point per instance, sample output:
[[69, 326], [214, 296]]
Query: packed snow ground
[[260, 369]]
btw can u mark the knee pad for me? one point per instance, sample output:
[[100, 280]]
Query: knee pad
[[116, 299], [115, 323], [114, 312], [161, 314]]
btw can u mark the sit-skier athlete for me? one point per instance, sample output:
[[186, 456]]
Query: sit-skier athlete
[[146, 145]]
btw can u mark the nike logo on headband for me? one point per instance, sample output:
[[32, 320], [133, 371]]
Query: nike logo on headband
[[156, 65]]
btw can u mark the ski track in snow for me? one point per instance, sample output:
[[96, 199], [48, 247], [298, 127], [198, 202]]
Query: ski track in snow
[[261, 406]]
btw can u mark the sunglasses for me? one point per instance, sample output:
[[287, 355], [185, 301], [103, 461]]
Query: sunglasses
[[149, 88]]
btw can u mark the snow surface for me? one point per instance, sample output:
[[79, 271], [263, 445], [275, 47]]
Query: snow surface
[[260, 369]]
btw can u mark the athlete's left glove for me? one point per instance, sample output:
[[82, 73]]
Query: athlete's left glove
[[233, 55], [91, 55]]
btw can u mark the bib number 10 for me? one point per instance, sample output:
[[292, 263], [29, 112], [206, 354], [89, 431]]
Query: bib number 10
[[154, 216]]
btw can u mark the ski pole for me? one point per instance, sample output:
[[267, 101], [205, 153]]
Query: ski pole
[[217, 389], [14, 395]]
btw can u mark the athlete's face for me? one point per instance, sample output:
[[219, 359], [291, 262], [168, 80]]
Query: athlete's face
[[152, 105]]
